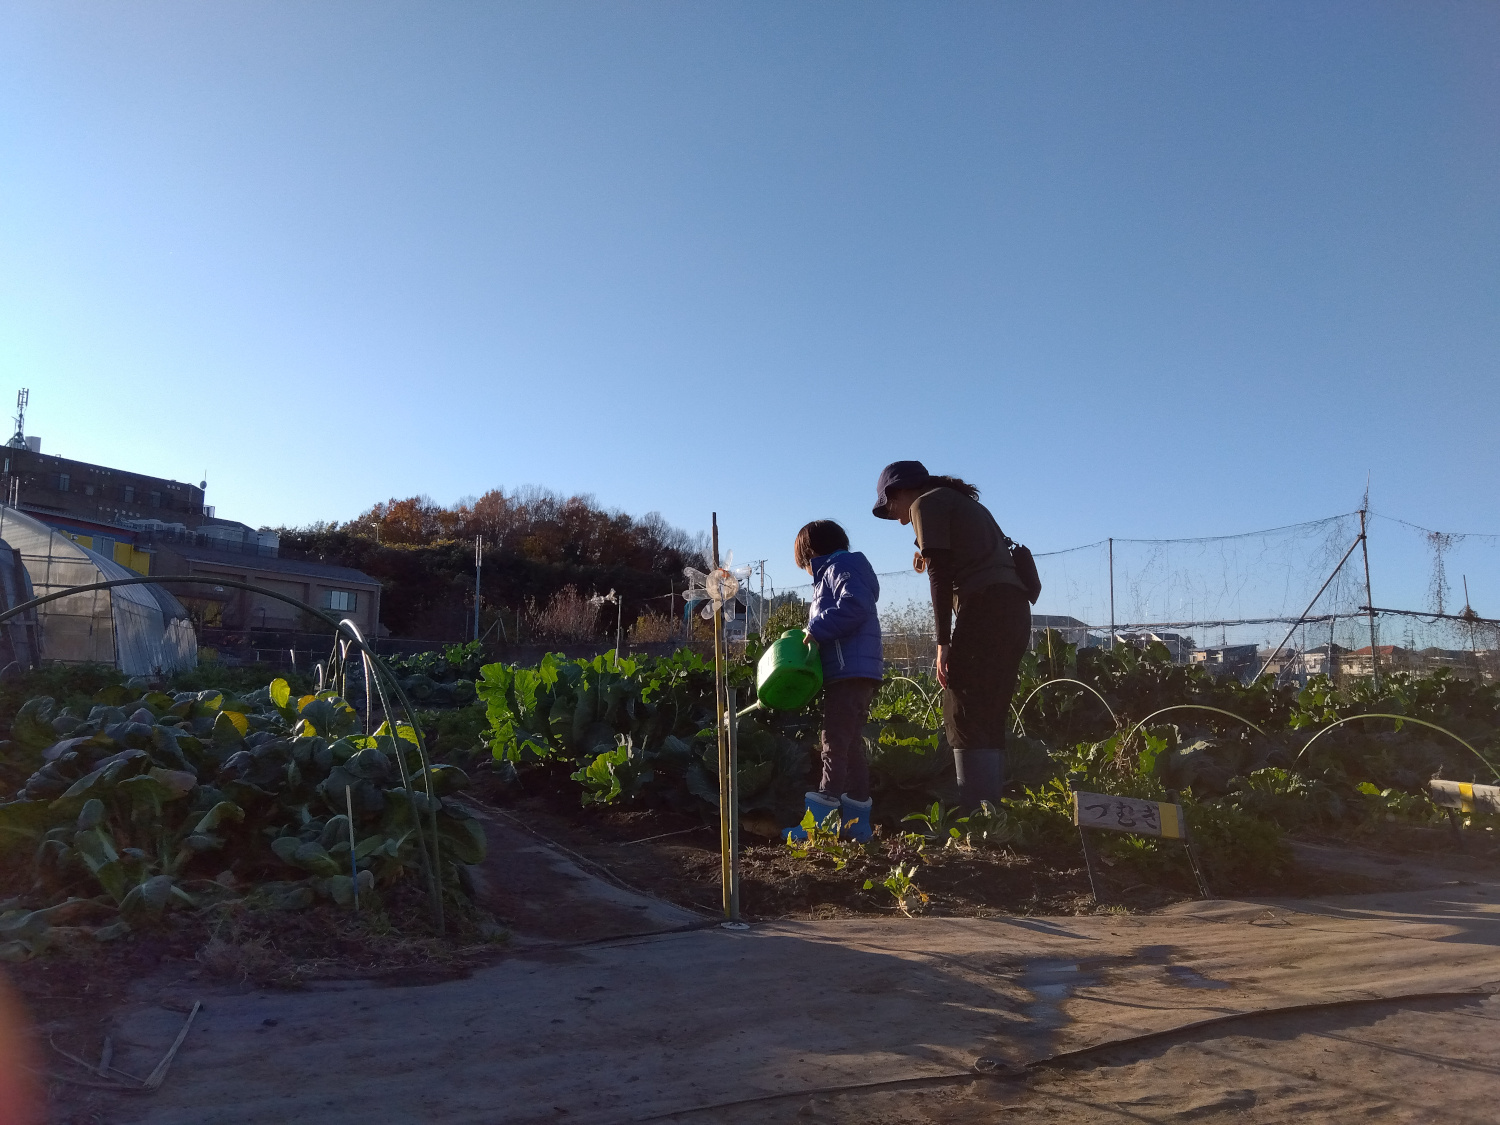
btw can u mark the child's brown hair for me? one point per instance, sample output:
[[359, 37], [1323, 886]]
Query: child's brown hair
[[821, 537]]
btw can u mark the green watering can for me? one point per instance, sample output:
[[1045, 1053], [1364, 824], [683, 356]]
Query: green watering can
[[788, 674]]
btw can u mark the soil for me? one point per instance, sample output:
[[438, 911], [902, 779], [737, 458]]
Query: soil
[[675, 856], [529, 886]]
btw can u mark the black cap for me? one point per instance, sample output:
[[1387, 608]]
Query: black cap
[[895, 476]]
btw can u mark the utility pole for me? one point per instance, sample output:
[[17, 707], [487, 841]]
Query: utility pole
[[478, 568], [1111, 591], [760, 616], [1364, 542], [1473, 636]]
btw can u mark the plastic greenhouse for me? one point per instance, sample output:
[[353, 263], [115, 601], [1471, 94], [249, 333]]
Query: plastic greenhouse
[[141, 630]]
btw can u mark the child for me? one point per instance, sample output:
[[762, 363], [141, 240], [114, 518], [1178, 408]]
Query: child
[[842, 620]]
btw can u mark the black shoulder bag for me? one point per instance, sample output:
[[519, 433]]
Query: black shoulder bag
[[1020, 557]]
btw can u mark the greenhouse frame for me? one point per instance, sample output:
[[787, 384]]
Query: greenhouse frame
[[142, 630]]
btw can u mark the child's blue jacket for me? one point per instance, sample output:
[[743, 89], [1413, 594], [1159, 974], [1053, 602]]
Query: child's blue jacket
[[842, 617]]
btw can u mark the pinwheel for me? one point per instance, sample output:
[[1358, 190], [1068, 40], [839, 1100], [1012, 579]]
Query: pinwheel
[[717, 588]]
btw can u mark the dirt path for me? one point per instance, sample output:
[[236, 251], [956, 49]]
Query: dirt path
[[611, 1006], [1418, 1061], [660, 1025]]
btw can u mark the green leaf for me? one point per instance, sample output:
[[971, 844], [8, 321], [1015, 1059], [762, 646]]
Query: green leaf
[[313, 857], [341, 889], [463, 840], [91, 814], [281, 692], [97, 848], [285, 848], [146, 795], [32, 726], [216, 816], [21, 822], [179, 783], [104, 777], [146, 903]]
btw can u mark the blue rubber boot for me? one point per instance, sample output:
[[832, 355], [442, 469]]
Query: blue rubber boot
[[817, 804], [856, 819]]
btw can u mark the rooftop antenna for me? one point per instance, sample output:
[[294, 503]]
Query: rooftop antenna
[[19, 440]]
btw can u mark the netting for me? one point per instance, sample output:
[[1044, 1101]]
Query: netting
[[1289, 592]]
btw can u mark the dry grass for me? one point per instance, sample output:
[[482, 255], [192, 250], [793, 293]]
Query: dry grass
[[266, 947], [568, 616], [249, 960], [654, 628]]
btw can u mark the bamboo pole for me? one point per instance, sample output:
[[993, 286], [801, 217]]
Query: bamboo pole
[[726, 850], [732, 794]]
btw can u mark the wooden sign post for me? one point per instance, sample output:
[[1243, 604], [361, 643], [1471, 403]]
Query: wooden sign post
[[1136, 815]]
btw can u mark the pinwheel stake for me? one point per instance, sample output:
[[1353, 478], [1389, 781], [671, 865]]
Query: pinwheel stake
[[718, 588], [618, 602]]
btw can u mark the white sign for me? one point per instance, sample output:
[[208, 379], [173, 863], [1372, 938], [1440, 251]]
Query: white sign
[[1465, 797], [1128, 814]]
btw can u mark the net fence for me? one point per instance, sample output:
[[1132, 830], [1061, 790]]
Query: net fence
[[1290, 599]]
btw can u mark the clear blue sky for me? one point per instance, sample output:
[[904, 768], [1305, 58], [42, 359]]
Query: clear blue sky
[[1146, 269]]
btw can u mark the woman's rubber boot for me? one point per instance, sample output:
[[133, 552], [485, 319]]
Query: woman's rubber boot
[[980, 776], [817, 804], [855, 815]]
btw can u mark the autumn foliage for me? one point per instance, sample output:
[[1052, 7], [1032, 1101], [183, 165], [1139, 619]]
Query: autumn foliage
[[536, 543]]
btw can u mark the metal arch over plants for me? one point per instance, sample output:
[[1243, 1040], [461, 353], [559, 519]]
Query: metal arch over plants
[[928, 701], [1065, 680], [1190, 707], [430, 854], [1399, 719]]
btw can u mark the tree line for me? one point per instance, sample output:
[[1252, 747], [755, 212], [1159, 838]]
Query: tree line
[[536, 544]]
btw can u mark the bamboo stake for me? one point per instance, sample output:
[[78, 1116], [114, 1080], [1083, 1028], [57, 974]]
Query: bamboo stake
[[726, 848], [353, 861], [159, 1075], [732, 793]]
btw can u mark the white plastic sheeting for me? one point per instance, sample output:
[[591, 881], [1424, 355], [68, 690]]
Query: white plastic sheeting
[[142, 630]]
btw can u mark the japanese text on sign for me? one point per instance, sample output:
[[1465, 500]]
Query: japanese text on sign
[[1128, 814]]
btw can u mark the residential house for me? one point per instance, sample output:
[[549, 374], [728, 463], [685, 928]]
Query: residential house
[[1237, 661]]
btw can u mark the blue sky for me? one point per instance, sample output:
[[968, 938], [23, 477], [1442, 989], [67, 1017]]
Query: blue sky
[[1136, 269]]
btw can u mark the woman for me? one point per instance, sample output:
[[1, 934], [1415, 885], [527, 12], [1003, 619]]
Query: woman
[[969, 567]]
